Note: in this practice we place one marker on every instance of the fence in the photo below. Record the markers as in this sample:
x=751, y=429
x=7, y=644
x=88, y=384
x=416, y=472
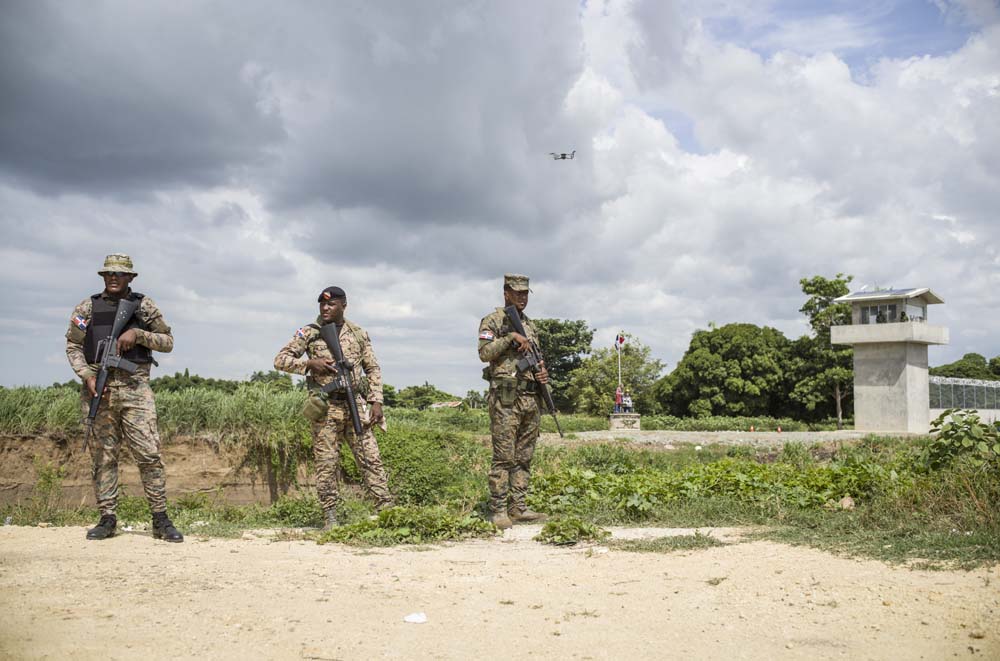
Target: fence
x=946, y=393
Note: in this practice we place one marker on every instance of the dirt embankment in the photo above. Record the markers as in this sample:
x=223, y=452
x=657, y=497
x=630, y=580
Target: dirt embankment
x=193, y=465
x=200, y=464
x=132, y=597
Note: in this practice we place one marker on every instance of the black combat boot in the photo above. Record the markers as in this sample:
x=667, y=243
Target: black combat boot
x=164, y=529
x=105, y=527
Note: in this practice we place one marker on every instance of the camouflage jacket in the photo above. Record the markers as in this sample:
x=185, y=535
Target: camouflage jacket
x=357, y=347
x=157, y=337
x=497, y=348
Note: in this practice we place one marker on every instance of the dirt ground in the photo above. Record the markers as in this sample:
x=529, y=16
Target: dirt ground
x=62, y=597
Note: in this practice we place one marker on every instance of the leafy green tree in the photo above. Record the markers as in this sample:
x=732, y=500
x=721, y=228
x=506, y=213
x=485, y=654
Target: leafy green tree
x=475, y=399
x=389, y=395
x=274, y=379
x=564, y=343
x=736, y=369
x=970, y=366
x=182, y=381
x=420, y=397
x=821, y=370
x=592, y=384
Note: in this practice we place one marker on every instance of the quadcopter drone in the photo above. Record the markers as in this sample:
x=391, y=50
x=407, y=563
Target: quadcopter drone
x=562, y=157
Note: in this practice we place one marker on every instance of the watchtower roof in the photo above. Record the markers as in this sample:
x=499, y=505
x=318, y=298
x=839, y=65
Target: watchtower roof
x=864, y=296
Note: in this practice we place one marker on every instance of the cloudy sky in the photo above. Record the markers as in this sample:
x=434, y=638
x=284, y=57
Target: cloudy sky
x=248, y=154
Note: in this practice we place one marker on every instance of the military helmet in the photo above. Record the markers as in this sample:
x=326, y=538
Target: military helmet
x=117, y=262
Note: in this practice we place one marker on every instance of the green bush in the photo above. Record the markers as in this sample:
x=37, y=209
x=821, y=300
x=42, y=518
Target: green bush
x=568, y=530
x=409, y=525
x=428, y=467
x=962, y=433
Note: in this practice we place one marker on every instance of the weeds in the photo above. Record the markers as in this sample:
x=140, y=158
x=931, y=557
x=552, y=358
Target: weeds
x=667, y=544
x=409, y=525
x=569, y=530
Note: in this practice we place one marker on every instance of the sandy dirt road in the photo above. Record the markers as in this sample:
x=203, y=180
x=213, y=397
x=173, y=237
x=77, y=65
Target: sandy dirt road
x=62, y=597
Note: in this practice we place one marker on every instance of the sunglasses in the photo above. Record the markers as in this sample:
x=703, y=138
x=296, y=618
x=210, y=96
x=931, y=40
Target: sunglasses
x=115, y=274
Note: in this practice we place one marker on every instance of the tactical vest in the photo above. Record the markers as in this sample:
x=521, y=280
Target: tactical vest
x=102, y=320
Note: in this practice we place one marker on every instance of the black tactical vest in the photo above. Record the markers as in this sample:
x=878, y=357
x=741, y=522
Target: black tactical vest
x=102, y=320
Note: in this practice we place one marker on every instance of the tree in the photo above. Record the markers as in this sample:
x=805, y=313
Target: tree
x=736, y=369
x=995, y=366
x=564, y=343
x=970, y=366
x=823, y=371
x=274, y=379
x=475, y=399
x=420, y=397
x=389, y=395
x=182, y=381
x=592, y=384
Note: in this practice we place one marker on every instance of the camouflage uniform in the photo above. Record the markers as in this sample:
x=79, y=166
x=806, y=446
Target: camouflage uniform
x=127, y=408
x=515, y=411
x=327, y=435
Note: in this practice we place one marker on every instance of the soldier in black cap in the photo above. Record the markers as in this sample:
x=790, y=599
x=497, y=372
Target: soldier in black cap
x=330, y=415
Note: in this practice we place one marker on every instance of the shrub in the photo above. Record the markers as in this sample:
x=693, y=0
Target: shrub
x=569, y=530
x=409, y=525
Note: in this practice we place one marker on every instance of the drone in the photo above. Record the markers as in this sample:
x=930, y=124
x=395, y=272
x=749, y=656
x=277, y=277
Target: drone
x=562, y=157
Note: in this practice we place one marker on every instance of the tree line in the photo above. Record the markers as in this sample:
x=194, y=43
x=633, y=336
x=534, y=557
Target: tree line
x=738, y=369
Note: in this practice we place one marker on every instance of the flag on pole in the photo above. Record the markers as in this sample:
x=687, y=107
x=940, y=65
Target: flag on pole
x=620, y=340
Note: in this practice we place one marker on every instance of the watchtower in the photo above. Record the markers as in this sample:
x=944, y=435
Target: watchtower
x=890, y=335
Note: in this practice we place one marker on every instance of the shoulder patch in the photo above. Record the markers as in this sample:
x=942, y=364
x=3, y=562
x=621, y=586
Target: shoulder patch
x=80, y=322
x=301, y=332
x=486, y=335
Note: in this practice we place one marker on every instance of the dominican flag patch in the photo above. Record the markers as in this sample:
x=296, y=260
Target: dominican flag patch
x=80, y=322
x=300, y=332
x=486, y=335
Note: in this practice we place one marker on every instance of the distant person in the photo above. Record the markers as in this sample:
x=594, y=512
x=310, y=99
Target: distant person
x=514, y=401
x=331, y=419
x=618, y=399
x=127, y=411
x=627, y=402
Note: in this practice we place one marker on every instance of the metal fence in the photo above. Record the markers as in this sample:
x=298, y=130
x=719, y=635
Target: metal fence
x=946, y=393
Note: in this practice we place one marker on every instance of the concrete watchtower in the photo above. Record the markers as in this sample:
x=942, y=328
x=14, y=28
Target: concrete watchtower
x=890, y=335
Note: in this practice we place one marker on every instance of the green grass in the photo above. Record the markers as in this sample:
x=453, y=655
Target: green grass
x=437, y=461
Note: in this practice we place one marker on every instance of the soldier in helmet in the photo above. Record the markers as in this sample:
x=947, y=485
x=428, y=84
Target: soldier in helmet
x=127, y=412
x=515, y=405
x=330, y=416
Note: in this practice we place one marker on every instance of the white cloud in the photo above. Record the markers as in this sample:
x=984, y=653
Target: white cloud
x=403, y=156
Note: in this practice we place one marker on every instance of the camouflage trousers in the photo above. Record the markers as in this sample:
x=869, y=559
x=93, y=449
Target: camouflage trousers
x=327, y=437
x=127, y=413
x=515, y=432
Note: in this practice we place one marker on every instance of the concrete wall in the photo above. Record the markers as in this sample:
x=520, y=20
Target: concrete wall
x=903, y=331
x=890, y=387
x=986, y=415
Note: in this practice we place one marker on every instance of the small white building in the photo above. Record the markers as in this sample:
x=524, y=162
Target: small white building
x=890, y=335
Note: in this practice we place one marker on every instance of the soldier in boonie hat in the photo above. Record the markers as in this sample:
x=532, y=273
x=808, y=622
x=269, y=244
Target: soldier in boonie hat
x=515, y=281
x=117, y=262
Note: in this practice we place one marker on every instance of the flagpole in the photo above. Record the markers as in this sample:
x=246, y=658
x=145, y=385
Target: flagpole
x=619, y=346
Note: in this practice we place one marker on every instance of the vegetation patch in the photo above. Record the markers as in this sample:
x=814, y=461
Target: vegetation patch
x=667, y=544
x=409, y=525
x=569, y=530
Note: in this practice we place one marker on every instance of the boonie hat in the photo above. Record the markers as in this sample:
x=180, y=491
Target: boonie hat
x=331, y=292
x=117, y=262
x=516, y=281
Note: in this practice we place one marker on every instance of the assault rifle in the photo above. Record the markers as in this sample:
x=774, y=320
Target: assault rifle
x=108, y=358
x=343, y=380
x=532, y=360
